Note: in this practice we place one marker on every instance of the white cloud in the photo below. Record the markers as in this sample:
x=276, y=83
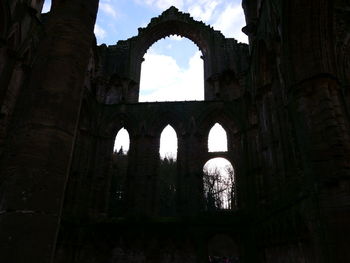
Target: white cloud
x=99, y=32
x=162, y=4
x=203, y=10
x=226, y=16
x=163, y=80
x=176, y=37
x=108, y=9
x=231, y=21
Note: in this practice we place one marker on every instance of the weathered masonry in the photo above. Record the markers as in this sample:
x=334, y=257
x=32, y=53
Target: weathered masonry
x=283, y=101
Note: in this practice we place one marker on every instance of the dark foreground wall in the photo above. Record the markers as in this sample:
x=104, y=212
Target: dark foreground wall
x=284, y=102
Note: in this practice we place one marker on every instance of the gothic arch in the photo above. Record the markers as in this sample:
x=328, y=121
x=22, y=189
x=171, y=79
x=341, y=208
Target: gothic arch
x=163, y=119
x=118, y=136
x=218, y=52
x=174, y=22
x=226, y=156
x=116, y=122
x=223, y=117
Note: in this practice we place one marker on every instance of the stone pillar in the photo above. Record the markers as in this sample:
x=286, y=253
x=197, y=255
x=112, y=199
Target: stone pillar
x=321, y=122
x=35, y=167
x=101, y=177
x=191, y=151
x=142, y=175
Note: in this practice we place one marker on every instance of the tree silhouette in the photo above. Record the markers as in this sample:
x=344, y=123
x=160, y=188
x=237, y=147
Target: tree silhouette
x=219, y=188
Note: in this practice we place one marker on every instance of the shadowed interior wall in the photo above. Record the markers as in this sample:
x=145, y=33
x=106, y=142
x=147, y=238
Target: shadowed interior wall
x=283, y=101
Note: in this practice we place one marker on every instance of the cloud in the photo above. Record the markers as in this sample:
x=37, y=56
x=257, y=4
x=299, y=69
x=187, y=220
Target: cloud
x=203, y=10
x=108, y=9
x=162, y=79
x=99, y=32
x=230, y=22
x=175, y=37
x=226, y=16
x=162, y=4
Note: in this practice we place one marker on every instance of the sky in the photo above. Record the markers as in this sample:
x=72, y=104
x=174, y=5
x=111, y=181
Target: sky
x=168, y=141
x=173, y=69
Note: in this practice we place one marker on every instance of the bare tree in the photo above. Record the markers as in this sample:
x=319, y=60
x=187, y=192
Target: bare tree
x=219, y=188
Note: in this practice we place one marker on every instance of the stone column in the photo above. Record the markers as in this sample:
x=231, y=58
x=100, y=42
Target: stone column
x=35, y=167
x=142, y=175
x=192, y=149
x=321, y=122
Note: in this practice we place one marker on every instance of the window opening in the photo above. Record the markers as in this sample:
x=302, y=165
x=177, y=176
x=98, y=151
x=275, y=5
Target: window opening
x=168, y=144
x=173, y=70
x=167, y=172
x=122, y=141
x=219, y=185
x=46, y=7
x=119, y=173
x=217, y=139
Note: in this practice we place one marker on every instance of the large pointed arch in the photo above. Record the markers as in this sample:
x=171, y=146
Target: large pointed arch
x=212, y=44
x=174, y=22
x=166, y=76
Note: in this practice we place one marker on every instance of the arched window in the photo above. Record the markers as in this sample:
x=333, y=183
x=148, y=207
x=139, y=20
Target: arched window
x=217, y=139
x=219, y=184
x=122, y=142
x=47, y=6
x=168, y=143
x=119, y=173
x=173, y=70
x=167, y=173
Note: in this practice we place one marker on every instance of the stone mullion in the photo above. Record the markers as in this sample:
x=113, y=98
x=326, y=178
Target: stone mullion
x=100, y=186
x=35, y=170
x=190, y=157
x=142, y=175
x=181, y=175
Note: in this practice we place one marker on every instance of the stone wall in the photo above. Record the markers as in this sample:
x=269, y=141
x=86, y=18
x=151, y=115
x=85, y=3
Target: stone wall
x=283, y=101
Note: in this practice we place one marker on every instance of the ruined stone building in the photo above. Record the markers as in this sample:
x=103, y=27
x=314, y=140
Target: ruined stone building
x=283, y=101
